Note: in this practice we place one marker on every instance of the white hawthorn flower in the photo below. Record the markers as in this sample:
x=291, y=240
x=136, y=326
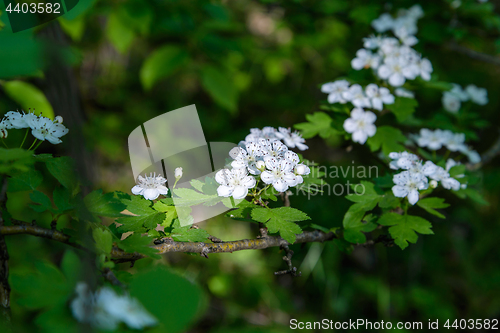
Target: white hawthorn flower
x=425, y=69
x=279, y=173
x=372, y=42
x=454, y=141
x=247, y=158
x=105, y=309
x=473, y=156
x=408, y=185
x=396, y=71
x=365, y=59
x=267, y=132
x=459, y=92
x=335, y=91
x=433, y=140
x=150, y=187
x=58, y=119
x=292, y=140
x=235, y=183
x=124, y=309
x=275, y=149
x=360, y=124
x=379, y=96
x=442, y=176
x=451, y=102
x=383, y=23
x=402, y=160
x=45, y=129
x=357, y=96
x=19, y=120
x=401, y=92
x=477, y=95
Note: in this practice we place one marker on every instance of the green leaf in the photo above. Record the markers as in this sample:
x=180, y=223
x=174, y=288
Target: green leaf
x=104, y=204
x=388, y=138
x=119, y=33
x=42, y=200
x=15, y=160
x=63, y=169
x=137, y=243
x=430, y=203
x=175, y=317
x=103, y=240
x=281, y=220
x=389, y=201
x=188, y=234
x=404, y=228
x=318, y=123
x=71, y=267
x=61, y=197
x=220, y=87
x=46, y=287
x=189, y=197
x=29, y=96
x=147, y=217
x=25, y=181
x=403, y=107
x=457, y=170
x=162, y=63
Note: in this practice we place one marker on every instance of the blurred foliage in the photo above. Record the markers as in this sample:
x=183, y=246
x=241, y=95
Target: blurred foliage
x=247, y=64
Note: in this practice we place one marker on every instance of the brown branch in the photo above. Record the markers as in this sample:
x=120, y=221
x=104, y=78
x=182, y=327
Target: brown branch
x=34, y=230
x=474, y=54
x=119, y=255
x=487, y=156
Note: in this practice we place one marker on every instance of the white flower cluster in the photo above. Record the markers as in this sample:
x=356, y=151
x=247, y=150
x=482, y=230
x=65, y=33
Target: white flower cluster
x=264, y=156
x=42, y=128
x=105, y=309
x=361, y=122
x=391, y=58
x=150, y=187
x=452, y=100
x=372, y=96
x=435, y=140
x=416, y=175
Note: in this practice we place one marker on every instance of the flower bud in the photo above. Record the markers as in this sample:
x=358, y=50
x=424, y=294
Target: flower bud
x=3, y=133
x=302, y=169
x=59, y=119
x=433, y=183
x=178, y=173
x=261, y=165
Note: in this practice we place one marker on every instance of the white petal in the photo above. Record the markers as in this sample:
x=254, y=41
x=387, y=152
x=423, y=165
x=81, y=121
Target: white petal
x=38, y=134
x=413, y=197
x=224, y=191
x=359, y=136
x=248, y=181
x=151, y=194
x=280, y=185
x=137, y=190
x=396, y=80
x=267, y=177
x=162, y=189
x=240, y=192
x=399, y=191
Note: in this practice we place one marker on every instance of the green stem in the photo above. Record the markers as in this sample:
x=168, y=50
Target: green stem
x=4, y=144
x=25, y=136
x=434, y=155
x=33, y=144
x=446, y=155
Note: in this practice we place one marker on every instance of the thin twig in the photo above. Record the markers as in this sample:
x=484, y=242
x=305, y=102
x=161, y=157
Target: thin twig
x=111, y=277
x=474, y=54
x=487, y=156
x=288, y=259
